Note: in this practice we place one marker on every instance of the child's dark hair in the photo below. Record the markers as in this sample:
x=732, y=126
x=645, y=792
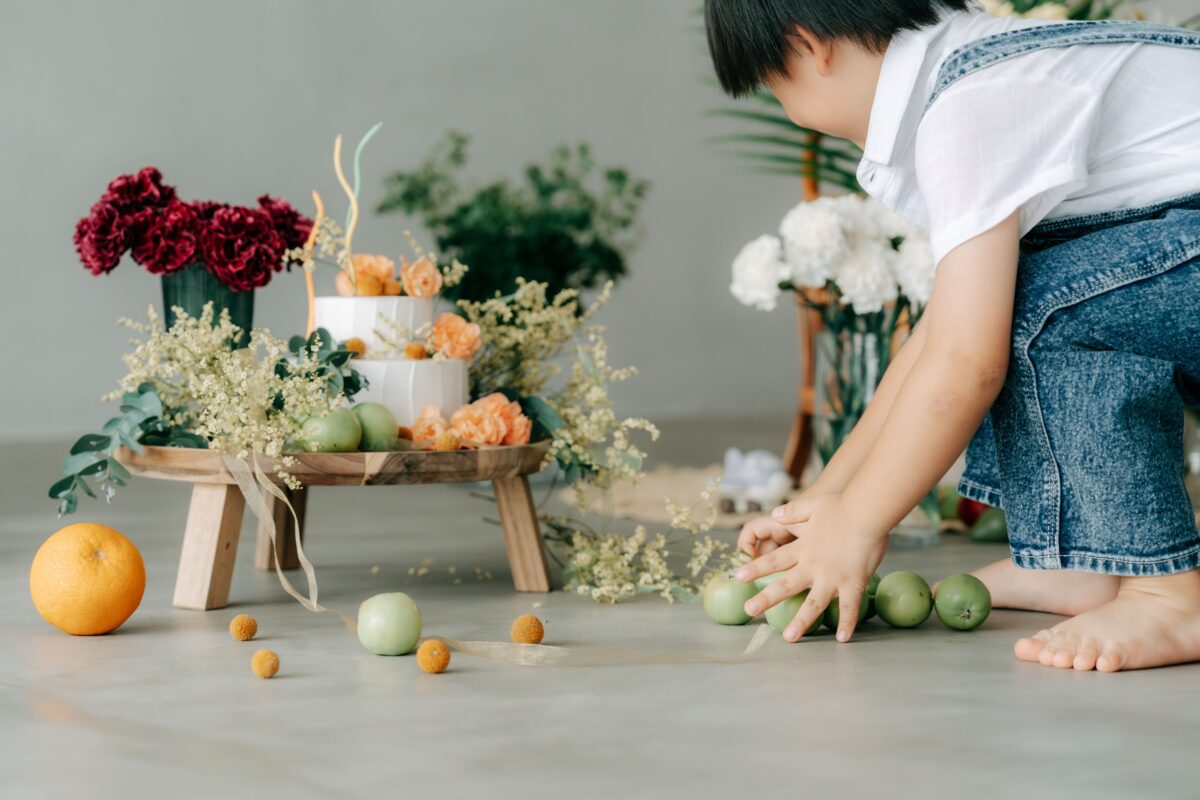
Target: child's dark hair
x=750, y=39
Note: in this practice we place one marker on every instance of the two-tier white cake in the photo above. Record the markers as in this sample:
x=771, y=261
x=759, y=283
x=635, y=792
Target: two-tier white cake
x=402, y=384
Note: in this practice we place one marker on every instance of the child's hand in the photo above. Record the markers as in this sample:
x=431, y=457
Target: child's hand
x=761, y=536
x=833, y=554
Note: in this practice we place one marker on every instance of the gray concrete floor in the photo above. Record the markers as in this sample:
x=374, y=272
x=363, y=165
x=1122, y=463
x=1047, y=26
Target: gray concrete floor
x=167, y=706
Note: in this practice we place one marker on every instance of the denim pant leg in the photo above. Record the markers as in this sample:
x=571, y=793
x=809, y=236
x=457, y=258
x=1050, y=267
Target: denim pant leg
x=1108, y=374
x=981, y=481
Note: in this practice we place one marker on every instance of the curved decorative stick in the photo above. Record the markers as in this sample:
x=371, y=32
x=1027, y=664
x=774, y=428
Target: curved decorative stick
x=308, y=277
x=358, y=158
x=353, y=223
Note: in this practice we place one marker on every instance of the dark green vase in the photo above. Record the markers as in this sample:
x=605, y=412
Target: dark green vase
x=191, y=287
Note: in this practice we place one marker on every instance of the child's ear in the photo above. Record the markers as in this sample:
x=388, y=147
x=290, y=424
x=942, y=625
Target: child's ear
x=819, y=51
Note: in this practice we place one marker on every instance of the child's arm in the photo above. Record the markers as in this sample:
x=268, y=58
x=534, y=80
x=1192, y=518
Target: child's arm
x=948, y=390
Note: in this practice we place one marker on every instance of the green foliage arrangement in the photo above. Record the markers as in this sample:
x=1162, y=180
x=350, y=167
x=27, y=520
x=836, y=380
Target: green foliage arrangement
x=218, y=397
x=554, y=228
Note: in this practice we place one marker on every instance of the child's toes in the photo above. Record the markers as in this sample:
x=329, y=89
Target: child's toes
x=1046, y=656
x=1085, y=659
x=1110, y=660
x=1028, y=649
x=1064, y=658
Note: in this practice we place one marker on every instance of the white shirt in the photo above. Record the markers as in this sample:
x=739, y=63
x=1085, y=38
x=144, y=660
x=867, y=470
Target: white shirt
x=1056, y=132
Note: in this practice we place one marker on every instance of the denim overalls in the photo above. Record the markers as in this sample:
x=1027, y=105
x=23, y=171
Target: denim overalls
x=1084, y=445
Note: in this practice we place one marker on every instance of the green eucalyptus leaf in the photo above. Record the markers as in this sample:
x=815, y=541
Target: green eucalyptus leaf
x=93, y=469
x=83, y=486
x=63, y=487
x=117, y=471
x=77, y=462
x=90, y=442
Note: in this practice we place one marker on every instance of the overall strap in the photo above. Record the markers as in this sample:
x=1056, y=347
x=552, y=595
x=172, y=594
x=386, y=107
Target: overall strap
x=990, y=50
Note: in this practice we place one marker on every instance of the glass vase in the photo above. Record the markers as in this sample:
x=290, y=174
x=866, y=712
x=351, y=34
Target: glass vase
x=192, y=287
x=852, y=352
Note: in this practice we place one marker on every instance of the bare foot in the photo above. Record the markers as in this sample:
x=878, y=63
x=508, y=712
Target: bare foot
x=1153, y=622
x=1053, y=591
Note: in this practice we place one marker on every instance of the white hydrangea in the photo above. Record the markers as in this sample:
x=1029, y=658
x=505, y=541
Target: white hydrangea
x=814, y=240
x=915, y=267
x=866, y=276
x=757, y=272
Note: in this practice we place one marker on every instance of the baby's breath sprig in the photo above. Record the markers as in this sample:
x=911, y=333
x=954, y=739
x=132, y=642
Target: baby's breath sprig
x=611, y=567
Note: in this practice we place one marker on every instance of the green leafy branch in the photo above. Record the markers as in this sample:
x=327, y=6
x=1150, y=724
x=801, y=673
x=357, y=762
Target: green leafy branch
x=93, y=456
x=332, y=361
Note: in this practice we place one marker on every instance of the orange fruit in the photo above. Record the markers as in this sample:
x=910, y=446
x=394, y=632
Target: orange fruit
x=415, y=350
x=392, y=287
x=87, y=579
x=369, y=285
x=356, y=346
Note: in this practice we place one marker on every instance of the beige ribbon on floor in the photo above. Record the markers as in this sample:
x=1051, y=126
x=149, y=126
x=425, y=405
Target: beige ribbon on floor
x=542, y=655
x=253, y=482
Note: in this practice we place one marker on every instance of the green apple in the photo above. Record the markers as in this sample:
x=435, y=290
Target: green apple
x=903, y=600
x=781, y=615
x=948, y=502
x=990, y=527
x=767, y=580
x=389, y=624
x=378, y=427
x=962, y=602
x=725, y=599
x=872, y=588
x=336, y=432
x=833, y=613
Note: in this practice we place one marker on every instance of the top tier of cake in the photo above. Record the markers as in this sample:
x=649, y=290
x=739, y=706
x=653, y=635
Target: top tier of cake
x=358, y=317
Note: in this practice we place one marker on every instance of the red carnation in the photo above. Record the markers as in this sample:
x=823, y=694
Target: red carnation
x=242, y=248
x=170, y=241
x=206, y=208
x=134, y=194
x=101, y=238
x=293, y=226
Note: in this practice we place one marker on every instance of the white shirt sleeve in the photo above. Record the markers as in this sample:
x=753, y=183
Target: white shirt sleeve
x=992, y=144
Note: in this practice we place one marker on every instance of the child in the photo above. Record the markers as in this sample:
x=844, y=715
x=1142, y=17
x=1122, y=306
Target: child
x=1056, y=166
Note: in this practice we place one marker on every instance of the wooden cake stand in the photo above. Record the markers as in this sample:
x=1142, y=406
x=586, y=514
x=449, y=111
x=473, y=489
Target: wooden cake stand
x=214, y=519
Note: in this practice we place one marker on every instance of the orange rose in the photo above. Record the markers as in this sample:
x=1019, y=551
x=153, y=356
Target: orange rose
x=519, y=431
x=476, y=424
x=421, y=278
x=381, y=267
x=454, y=337
x=430, y=425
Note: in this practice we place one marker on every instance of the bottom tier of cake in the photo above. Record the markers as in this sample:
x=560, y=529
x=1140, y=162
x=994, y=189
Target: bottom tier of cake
x=407, y=386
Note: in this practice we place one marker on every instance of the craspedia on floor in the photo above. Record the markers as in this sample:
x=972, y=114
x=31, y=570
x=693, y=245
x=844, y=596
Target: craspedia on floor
x=264, y=663
x=433, y=656
x=527, y=629
x=243, y=627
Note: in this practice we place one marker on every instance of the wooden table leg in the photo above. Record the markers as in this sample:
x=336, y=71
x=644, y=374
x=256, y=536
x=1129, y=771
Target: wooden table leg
x=285, y=532
x=522, y=537
x=209, y=546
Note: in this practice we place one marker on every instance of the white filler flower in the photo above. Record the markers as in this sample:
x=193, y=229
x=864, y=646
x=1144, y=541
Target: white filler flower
x=757, y=272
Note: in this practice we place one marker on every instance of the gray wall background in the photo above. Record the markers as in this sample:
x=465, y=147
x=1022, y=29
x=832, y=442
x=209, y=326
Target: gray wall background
x=233, y=99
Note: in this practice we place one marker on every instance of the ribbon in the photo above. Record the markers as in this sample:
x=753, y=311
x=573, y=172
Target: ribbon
x=541, y=655
x=253, y=484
